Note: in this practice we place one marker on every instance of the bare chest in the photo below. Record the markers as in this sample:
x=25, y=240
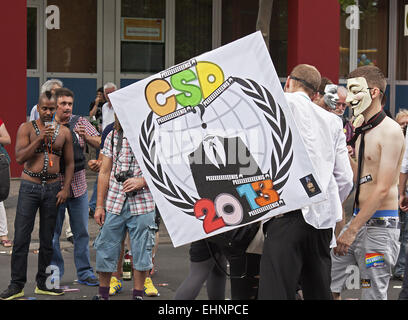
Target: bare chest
x=371, y=154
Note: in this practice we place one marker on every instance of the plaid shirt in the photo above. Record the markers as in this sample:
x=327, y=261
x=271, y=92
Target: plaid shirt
x=78, y=183
x=142, y=202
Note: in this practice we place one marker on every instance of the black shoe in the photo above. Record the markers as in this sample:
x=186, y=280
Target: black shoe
x=11, y=292
x=50, y=292
x=71, y=239
x=398, y=278
x=91, y=213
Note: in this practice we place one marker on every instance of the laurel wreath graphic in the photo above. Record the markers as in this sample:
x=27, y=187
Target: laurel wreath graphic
x=281, y=158
x=282, y=154
x=174, y=194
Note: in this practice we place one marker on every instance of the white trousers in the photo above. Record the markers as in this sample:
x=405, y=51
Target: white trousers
x=3, y=220
x=374, y=252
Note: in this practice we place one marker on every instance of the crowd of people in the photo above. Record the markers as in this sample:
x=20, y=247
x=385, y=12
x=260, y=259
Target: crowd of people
x=304, y=254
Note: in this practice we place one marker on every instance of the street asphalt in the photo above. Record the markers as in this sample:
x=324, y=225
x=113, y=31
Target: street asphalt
x=172, y=264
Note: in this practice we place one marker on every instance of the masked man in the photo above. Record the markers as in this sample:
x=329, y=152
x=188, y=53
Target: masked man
x=370, y=239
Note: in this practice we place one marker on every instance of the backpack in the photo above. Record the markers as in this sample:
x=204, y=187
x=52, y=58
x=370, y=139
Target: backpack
x=4, y=174
x=233, y=244
x=79, y=157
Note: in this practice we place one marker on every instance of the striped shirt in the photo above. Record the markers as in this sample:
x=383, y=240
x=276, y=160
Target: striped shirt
x=78, y=183
x=142, y=202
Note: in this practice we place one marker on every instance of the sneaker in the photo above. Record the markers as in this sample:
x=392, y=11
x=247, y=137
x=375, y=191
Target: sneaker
x=115, y=286
x=71, y=239
x=90, y=281
x=11, y=293
x=149, y=288
x=50, y=292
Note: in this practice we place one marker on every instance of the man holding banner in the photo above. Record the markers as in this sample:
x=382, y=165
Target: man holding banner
x=129, y=207
x=297, y=243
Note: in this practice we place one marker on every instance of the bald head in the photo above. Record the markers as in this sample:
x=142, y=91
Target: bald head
x=342, y=92
x=306, y=78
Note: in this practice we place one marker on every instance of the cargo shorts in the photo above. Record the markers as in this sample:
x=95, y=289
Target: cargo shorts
x=142, y=229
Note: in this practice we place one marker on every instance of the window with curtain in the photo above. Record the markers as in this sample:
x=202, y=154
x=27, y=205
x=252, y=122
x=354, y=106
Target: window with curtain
x=402, y=41
x=239, y=18
x=72, y=48
x=193, y=28
x=142, y=36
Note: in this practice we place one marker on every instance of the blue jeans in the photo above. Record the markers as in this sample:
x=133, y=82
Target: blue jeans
x=92, y=202
x=31, y=197
x=400, y=265
x=78, y=218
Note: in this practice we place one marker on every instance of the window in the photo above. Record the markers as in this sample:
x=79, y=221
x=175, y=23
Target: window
x=32, y=38
x=278, y=36
x=142, y=36
x=193, y=28
x=372, y=36
x=402, y=41
x=344, y=42
x=239, y=18
x=72, y=48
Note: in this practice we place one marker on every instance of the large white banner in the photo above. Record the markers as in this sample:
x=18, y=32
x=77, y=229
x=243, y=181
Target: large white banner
x=216, y=142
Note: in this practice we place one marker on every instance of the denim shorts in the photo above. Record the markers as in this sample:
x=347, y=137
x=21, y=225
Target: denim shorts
x=142, y=230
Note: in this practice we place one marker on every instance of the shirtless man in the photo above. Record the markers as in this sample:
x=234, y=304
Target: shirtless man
x=370, y=239
x=39, y=147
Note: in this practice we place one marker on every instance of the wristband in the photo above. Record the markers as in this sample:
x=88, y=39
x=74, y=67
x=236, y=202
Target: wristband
x=100, y=208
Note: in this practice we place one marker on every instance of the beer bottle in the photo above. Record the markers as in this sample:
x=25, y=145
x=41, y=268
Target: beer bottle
x=127, y=267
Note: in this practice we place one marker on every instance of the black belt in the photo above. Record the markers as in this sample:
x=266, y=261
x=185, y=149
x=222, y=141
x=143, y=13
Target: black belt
x=281, y=216
x=384, y=223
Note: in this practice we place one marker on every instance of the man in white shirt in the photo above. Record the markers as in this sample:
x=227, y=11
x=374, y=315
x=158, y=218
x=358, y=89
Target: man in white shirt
x=297, y=243
x=403, y=204
x=108, y=114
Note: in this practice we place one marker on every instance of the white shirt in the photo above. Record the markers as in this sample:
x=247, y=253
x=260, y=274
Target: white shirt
x=34, y=115
x=108, y=115
x=404, y=164
x=323, y=136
